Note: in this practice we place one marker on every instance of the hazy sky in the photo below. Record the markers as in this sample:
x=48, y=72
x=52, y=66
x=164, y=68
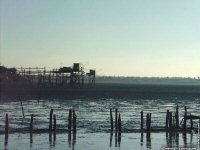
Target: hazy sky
x=117, y=37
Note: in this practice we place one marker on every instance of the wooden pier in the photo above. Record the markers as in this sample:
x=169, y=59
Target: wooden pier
x=74, y=76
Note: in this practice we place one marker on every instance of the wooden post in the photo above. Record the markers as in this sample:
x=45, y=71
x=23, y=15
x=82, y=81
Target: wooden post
x=54, y=125
x=191, y=122
x=150, y=122
x=170, y=120
x=74, y=122
x=22, y=107
x=177, y=116
x=111, y=120
x=184, y=124
x=31, y=124
x=50, y=120
x=70, y=120
x=119, y=124
x=142, y=121
x=116, y=119
x=6, y=127
x=147, y=122
x=167, y=120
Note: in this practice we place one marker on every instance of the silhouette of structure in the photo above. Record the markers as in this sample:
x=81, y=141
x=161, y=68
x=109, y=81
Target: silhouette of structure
x=73, y=76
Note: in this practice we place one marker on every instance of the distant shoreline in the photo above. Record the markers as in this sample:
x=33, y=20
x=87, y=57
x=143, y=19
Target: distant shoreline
x=11, y=92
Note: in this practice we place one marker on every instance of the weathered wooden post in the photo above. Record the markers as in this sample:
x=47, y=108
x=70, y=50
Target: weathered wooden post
x=54, y=125
x=31, y=124
x=119, y=124
x=50, y=120
x=148, y=122
x=191, y=122
x=185, y=120
x=111, y=120
x=142, y=121
x=177, y=116
x=74, y=122
x=70, y=120
x=170, y=120
x=6, y=127
x=116, y=120
x=22, y=107
x=167, y=120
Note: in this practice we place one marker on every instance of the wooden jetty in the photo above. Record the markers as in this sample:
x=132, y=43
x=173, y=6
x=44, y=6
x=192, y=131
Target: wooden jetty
x=74, y=76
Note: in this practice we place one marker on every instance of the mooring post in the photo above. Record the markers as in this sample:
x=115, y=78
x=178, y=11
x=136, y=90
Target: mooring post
x=177, y=116
x=191, y=122
x=70, y=120
x=31, y=124
x=147, y=122
x=142, y=121
x=116, y=120
x=185, y=120
x=74, y=122
x=167, y=120
x=50, y=120
x=150, y=122
x=6, y=127
x=54, y=125
x=111, y=120
x=170, y=120
x=22, y=107
x=119, y=124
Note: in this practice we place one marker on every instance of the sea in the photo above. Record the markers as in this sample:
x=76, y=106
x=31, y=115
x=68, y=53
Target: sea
x=93, y=121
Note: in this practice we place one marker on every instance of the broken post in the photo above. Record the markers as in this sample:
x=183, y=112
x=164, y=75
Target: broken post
x=111, y=120
x=70, y=120
x=50, y=120
x=6, y=127
x=148, y=122
x=116, y=120
x=119, y=124
x=170, y=120
x=31, y=124
x=54, y=125
x=191, y=122
x=177, y=116
x=74, y=122
x=184, y=124
x=22, y=107
x=167, y=120
x=142, y=121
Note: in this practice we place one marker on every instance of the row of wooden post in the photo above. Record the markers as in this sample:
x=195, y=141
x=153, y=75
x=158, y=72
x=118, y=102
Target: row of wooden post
x=172, y=121
x=52, y=127
x=118, y=124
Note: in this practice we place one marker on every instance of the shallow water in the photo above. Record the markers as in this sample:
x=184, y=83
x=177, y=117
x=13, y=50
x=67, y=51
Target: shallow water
x=93, y=114
x=93, y=123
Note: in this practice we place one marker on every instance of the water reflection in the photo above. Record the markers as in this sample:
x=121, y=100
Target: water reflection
x=6, y=141
x=148, y=140
x=184, y=139
x=142, y=139
x=118, y=138
x=111, y=136
x=52, y=143
x=71, y=142
x=31, y=139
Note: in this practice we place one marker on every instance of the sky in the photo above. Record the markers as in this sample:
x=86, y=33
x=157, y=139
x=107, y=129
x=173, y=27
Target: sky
x=153, y=38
